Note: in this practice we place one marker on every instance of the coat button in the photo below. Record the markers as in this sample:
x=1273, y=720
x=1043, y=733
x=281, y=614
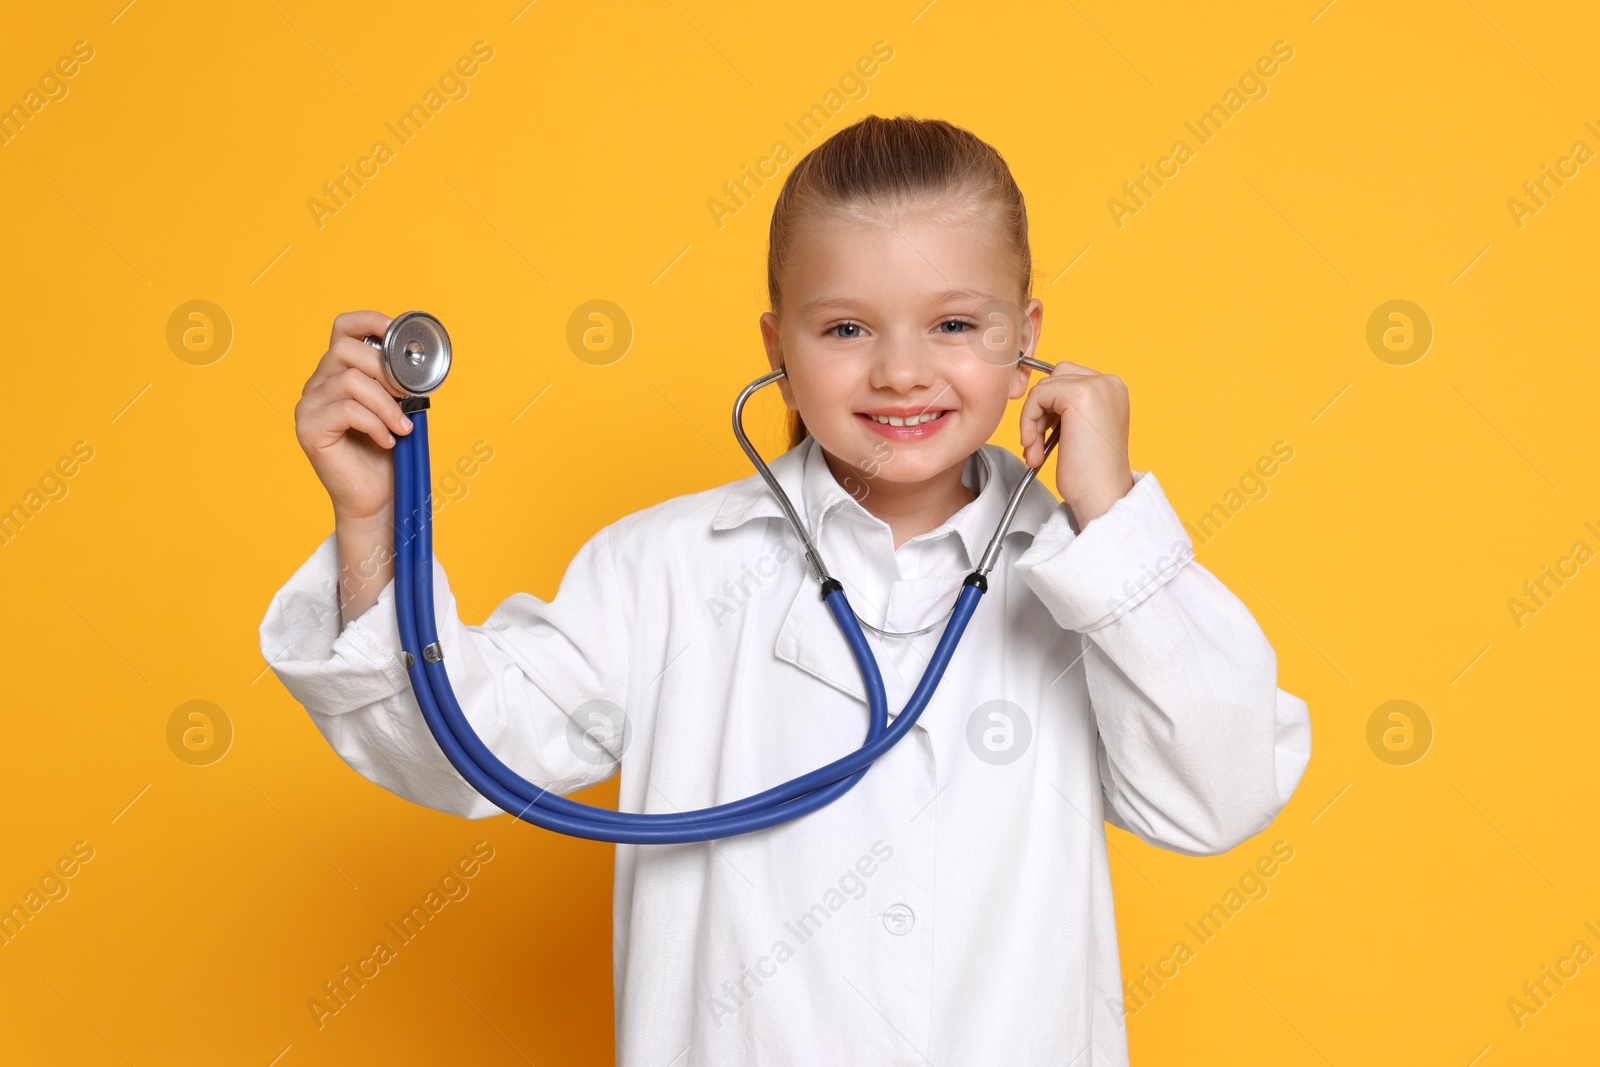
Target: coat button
x=898, y=919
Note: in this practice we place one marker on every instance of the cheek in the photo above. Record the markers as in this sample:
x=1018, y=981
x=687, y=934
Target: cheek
x=822, y=381
x=985, y=392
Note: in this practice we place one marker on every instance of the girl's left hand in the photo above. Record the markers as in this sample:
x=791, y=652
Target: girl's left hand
x=1092, y=468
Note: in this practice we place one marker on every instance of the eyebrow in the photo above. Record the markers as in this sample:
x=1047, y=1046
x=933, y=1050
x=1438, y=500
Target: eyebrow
x=846, y=303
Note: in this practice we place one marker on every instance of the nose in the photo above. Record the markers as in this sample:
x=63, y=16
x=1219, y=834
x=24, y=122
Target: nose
x=900, y=365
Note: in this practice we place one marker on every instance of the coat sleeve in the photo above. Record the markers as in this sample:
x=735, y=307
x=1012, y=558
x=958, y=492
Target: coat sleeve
x=1198, y=747
x=544, y=684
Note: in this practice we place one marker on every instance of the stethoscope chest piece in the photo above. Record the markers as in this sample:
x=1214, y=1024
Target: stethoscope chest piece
x=416, y=352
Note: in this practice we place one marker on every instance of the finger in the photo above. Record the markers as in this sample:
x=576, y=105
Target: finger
x=347, y=414
x=357, y=385
x=346, y=353
x=1035, y=409
x=1035, y=433
x=1035, y=420
x=1025, y=429
x=359, y=324
x=1051, y=422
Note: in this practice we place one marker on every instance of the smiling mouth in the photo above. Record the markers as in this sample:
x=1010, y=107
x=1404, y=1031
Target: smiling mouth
x=909, y=420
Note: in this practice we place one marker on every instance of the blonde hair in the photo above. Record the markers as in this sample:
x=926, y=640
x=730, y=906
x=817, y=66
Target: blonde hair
x=895, y=161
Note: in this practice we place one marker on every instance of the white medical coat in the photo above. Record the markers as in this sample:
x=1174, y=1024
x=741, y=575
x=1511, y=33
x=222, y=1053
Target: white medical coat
x=955, y=906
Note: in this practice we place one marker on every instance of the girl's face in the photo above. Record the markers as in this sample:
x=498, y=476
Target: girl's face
x=902, y=314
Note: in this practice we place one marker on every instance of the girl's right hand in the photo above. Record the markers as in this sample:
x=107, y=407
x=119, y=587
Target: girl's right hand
x=347, y=418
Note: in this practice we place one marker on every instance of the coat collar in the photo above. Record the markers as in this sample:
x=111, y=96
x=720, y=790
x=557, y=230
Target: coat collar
x=802, y=469
x=809, y=637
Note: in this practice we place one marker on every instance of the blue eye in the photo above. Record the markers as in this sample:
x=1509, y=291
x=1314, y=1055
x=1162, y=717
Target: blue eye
x=962, y=326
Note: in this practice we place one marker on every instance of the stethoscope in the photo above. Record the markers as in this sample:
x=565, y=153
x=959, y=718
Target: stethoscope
x=416, y=358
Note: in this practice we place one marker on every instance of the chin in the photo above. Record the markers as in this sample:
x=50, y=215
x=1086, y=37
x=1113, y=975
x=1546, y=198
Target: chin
x=910, y=464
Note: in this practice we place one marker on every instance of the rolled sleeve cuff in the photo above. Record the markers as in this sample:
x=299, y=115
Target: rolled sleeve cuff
x=1092, y=578
x=328, y=670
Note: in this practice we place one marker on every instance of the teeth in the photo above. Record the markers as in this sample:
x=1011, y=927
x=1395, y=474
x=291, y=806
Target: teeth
x=915, y=420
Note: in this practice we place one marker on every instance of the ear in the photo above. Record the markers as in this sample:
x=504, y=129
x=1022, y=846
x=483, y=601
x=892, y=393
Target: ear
x=771, y=338
x=1033, y=324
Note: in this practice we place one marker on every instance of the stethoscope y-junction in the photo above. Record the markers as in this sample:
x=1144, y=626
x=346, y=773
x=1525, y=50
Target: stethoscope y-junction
x=416, y=357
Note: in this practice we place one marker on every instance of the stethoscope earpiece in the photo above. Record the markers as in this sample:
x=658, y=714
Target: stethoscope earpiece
x=1036, y=364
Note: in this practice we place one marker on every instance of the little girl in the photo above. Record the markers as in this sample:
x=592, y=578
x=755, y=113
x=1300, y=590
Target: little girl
x=955, y=906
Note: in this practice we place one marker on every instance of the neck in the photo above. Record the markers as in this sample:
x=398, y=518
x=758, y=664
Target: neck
x=908, y=508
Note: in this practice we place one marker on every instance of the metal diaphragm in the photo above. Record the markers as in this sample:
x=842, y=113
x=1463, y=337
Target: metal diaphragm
x=416, y=352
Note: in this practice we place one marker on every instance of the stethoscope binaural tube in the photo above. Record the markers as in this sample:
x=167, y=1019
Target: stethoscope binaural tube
x=506, y=789
x=814, y=557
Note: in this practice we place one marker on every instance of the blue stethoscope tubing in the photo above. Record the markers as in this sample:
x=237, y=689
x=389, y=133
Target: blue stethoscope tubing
x=506, y=789
x=486, y=773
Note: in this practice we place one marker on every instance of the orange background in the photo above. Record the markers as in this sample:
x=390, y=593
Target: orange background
x=578, y=166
